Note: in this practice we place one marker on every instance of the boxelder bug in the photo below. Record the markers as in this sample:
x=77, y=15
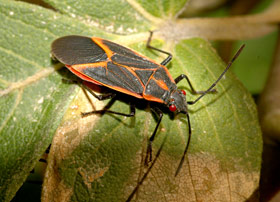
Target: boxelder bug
x=105, y=63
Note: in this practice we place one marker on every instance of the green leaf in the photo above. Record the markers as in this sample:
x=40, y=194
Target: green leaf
x=101, y=157
x=110, y=15
x=163, y=9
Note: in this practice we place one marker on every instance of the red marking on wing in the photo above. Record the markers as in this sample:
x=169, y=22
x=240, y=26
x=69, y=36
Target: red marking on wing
x=75, y=69
x=161, y=84
x=152, y=98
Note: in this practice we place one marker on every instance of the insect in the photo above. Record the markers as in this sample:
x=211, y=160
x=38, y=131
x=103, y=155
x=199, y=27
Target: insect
x=105, y=63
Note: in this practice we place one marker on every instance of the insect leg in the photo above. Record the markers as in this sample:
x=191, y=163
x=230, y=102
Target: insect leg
x=166, y=60
x=151, y=139
x=84, y=85
x=106, y=110
x=220, y=77
x=183, y=76
x=99, y=97
x=146, y=173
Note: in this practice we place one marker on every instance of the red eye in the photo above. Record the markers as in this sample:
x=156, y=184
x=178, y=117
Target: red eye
x=184, y=92
x=172, y=108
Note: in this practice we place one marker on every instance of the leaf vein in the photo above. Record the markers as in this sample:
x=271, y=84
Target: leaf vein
x=21, y=84
x=19, y=57
x=9, y=115
x=143, y=12
x=30, y=25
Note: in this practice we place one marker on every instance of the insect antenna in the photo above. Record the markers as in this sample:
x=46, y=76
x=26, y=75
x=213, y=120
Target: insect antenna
x=193, y=102
x=187, y=146
x=220, y=77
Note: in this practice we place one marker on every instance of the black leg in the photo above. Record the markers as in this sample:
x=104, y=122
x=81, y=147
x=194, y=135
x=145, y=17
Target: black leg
x=130, y=197
x=169, y=57
x=99, y=97
x=183, y=76
x=83, y=85
x=111, y=96
x=220, y=77
x=151, y=139
x=106, y=110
